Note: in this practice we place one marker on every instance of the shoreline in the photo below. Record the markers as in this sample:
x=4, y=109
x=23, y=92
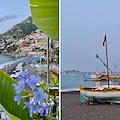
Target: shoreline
x=2, y=65
x=73, y=109
x=70, y=90
x=14, y=70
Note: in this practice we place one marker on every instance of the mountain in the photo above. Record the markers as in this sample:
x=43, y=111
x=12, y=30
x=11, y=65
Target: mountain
x=18, y=31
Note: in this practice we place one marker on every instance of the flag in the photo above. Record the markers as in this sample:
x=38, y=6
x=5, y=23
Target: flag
x=104, y=40
x=115, y=65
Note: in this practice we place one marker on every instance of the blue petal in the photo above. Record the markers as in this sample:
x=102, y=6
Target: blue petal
x=27, y=104
x=31, y=112
x=32, y=77
x=21, y=78
x=36, y=100
x=17, y=98
x=18, y=91
x=41, y=101
x=31, y=85
x=35, y=108
x=37, y=79
x=21, y=83
x=35, y=93
x=40, y=90
x=45, y=96
x=18, y=102
x=14, y=85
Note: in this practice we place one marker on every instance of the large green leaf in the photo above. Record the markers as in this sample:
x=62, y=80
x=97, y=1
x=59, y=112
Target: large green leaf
x=7, y=94
x=12, y=117
x=45, y=14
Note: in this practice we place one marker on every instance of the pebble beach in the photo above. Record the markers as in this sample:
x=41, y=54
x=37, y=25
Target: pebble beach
x=73, y=109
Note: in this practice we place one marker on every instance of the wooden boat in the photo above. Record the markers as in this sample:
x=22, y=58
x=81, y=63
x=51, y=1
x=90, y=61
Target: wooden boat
x=102, y=94
x=106, y=93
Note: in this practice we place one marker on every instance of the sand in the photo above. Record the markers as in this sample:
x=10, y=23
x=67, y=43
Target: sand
x=73, y=109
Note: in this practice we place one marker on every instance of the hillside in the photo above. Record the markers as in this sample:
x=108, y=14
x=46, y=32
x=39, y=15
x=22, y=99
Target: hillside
x=18, y=31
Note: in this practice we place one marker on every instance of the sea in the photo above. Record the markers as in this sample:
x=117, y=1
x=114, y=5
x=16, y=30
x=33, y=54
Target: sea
x=5, y=60
x=71, y=82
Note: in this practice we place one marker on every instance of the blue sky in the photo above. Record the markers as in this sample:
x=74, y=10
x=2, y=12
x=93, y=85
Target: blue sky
x=13, y=12
x=84, y=24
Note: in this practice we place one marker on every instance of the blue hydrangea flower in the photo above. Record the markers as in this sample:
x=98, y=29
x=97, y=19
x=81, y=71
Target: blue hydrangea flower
x=33, y=80
x=43, y=109
x=18, y=98
x=19, y=87
x=27, y=104
x=34, y=108
x=39, y=96
x=24, y=76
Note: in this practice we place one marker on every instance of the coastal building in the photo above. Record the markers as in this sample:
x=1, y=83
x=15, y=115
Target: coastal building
x=78, y=72
x=71, y=72
x=36, y=53
x=31, y=44
x=2, y=46
x=42, y=42
x=26, y=49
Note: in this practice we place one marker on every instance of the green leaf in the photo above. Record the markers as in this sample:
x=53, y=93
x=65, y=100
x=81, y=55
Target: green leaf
x=55, y=81
x=44, y=87
x=50, y=117
x=45, y=14
x=7, y=94
x=12, y=117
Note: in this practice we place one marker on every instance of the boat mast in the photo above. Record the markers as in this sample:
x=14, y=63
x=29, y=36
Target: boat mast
x=107, y=63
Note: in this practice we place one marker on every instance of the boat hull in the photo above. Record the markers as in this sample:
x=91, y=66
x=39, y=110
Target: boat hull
x=112, y=95
x=101, y=94
x=92, y=79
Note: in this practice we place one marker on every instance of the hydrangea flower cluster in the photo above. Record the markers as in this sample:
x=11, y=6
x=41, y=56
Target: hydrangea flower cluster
x=36, y=94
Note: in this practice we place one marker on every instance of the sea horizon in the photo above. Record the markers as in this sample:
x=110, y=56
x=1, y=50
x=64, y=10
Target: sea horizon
x=71, y=82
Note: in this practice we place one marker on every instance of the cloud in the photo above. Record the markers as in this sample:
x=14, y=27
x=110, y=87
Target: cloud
x=8, y=17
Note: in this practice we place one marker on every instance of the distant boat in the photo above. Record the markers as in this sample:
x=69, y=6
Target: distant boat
x=102, y=77
x=92, y=79
x=96, y=77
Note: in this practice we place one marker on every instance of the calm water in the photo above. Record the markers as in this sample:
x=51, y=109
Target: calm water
x=72, y=82
x=5, y=60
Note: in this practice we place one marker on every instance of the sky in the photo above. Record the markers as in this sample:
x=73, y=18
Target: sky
x=13, y=12
x=84, y=24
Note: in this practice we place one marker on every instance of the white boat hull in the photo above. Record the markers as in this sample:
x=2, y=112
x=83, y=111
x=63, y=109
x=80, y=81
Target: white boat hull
x=103, y=94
